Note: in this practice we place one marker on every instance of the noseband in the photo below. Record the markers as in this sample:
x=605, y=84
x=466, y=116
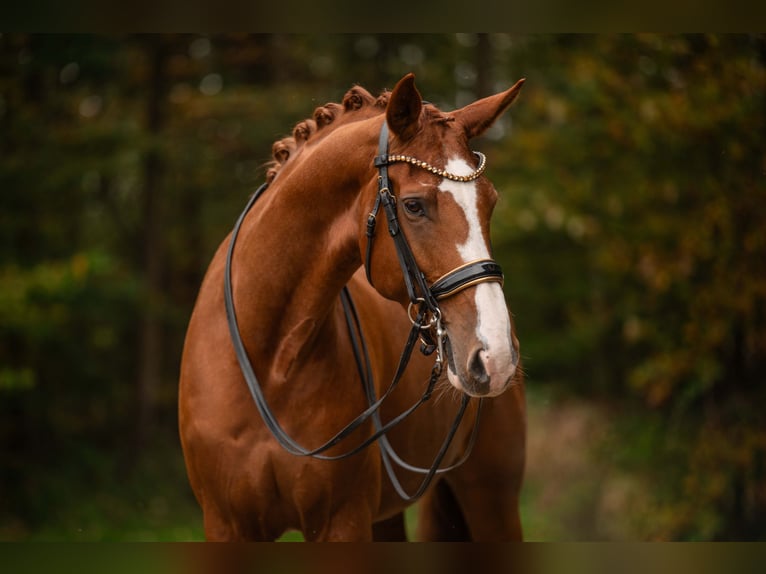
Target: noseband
x=426, y=323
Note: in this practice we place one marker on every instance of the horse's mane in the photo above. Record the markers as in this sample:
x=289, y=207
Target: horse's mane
x=357, y=104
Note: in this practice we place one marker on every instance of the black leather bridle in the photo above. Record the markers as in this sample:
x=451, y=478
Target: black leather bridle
x=426, y=326
x=420, y=294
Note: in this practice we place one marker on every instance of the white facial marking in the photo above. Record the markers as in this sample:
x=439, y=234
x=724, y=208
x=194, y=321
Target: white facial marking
x=465, y=196
x=493, y=325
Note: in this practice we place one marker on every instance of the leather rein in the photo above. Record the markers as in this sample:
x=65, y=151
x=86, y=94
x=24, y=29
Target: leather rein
x=426, y=326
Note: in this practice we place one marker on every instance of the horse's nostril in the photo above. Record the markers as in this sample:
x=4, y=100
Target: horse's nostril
x=478, y=369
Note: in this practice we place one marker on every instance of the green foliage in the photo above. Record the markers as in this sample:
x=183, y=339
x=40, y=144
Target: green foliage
x=644, y=155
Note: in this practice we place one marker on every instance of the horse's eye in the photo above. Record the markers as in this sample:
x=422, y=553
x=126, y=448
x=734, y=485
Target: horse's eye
x=414, y=207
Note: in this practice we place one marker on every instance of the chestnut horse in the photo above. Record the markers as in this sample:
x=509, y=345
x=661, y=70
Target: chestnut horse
x=317, y=302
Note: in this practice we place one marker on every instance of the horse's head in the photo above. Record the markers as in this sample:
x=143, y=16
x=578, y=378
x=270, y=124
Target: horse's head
x=444, y=208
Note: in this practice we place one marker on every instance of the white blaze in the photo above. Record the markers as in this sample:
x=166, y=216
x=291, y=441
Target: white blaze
x=493, y=326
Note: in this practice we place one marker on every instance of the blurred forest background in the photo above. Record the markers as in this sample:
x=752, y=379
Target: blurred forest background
x=631, y=228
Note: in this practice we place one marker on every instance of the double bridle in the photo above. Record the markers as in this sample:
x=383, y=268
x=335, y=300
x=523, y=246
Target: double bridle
x=425, y=316
x=426, y=298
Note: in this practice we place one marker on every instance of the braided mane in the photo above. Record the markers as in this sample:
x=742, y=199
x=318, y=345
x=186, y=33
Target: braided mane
x=357, y=104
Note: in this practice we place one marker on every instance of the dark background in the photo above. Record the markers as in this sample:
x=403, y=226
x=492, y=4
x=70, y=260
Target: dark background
x=631, y=229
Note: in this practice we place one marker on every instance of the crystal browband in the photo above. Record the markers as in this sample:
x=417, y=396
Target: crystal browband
x=440, y=172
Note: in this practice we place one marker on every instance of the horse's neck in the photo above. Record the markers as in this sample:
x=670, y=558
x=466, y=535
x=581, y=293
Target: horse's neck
x=296, y=250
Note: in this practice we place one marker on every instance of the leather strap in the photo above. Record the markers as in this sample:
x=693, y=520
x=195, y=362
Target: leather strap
x=466, y=276
x=387, y=452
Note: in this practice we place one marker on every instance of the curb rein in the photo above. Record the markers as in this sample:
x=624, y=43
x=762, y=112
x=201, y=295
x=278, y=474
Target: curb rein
x=427, y=307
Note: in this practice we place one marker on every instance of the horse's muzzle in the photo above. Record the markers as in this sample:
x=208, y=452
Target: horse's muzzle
x=482, y=375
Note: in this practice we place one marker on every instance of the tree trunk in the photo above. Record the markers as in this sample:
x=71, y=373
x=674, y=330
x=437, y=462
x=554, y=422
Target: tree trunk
x=150, y=344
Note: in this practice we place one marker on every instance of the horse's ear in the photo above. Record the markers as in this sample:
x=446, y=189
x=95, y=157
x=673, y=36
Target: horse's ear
x=477, y=117
x=403, y=110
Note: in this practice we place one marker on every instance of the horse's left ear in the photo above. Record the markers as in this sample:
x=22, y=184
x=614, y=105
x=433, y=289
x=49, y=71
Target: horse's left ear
x=477, y=117
x=403, y=110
